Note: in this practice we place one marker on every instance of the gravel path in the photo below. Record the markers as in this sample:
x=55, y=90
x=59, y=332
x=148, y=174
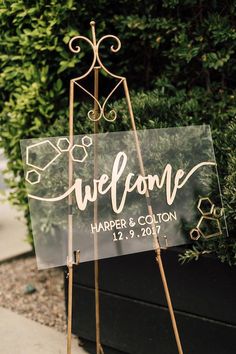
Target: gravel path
x=38, y=295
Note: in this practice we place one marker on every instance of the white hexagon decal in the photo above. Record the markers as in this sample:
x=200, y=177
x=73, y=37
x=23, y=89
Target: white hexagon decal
x=195, y=234
x=41, y=155
x=205, y=206
x=63, y=144
x=78, y=153
x=209, y=227
x=32, y=177
x=87, y=141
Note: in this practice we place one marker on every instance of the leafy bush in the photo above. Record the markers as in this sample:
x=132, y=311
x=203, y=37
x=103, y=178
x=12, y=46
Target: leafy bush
x=178, y=56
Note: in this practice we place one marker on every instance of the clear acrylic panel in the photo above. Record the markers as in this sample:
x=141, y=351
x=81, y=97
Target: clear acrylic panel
x=97, y=182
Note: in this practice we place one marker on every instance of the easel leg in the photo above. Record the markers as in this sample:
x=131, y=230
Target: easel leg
x=99, y=349
x=70, y=297
x=70, y=222
x=156, y=242
x=168, y=299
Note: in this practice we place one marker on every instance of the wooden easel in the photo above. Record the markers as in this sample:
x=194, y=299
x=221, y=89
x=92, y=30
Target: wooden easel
x=95, y=115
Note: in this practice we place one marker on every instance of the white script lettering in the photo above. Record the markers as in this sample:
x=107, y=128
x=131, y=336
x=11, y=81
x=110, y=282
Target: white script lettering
x=141, y=184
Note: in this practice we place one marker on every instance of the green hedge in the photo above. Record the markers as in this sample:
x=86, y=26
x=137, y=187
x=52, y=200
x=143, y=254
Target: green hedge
x=178, y=56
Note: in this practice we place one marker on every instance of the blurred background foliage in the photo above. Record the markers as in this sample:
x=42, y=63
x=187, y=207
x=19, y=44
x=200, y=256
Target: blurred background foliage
x=179, y=59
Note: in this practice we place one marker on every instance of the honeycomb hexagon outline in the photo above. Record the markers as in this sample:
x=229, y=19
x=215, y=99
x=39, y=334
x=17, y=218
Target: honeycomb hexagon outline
x=87, y=138
x=78, y=160
x=195, y=238
x=37, y=144
x=218, y=212
x=69, y=144
x=210, y=202
x=27, y=177
x=219, y=233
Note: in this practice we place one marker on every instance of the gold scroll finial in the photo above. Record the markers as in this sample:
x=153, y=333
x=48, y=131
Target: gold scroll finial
x=95, y=46
x=92, y=24
x=97, y=62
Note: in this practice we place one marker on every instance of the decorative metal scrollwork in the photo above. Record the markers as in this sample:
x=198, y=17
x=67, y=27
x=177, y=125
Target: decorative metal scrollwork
x=95, y=46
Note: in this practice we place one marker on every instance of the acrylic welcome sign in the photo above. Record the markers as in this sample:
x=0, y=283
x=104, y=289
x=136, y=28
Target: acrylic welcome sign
x=107, y=192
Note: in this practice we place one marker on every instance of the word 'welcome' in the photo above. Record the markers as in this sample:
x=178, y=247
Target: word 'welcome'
x=141, y=184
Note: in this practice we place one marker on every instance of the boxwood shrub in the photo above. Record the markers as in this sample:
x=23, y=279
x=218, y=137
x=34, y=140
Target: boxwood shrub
x=178, y=56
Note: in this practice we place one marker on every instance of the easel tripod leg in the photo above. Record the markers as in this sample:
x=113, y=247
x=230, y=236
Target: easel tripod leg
x=99, y=349
x=168, y=299
x=69, y=316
